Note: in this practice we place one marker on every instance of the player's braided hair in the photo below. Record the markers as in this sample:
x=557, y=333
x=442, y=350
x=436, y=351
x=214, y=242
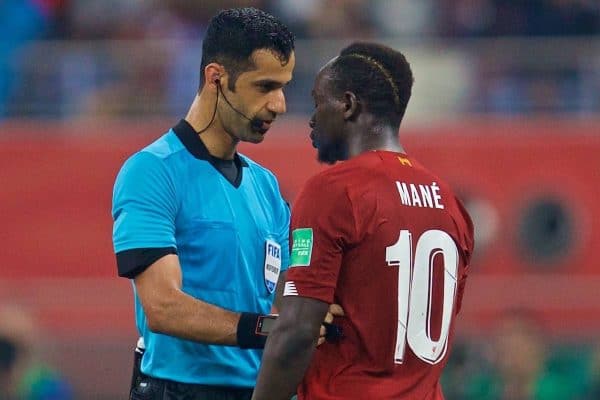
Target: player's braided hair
x=232, y=35
x=379, y=76
x=384, y=71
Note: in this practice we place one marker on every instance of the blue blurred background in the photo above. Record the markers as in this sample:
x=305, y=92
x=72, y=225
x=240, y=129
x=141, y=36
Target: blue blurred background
x=506, y=107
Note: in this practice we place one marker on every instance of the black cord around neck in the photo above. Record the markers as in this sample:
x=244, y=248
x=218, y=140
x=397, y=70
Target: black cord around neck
x=214, y=113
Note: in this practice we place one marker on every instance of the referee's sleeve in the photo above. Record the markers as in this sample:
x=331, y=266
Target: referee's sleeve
x=143, y=211
x=132, y=262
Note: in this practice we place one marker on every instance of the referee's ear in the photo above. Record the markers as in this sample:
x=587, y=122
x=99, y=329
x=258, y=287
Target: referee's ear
x=213, y=76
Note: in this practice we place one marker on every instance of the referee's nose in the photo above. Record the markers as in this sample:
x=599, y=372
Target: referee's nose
x=276, y=103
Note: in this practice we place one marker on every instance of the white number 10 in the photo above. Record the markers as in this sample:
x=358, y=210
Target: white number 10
x=415, y=292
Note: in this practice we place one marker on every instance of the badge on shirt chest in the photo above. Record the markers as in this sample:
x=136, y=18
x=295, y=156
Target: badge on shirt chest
x=272, y=264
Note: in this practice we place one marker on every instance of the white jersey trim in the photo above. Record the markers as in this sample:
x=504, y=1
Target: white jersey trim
x=290, y=289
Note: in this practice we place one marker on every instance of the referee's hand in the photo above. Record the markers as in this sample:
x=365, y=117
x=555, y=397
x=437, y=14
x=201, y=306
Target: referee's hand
x=335, y=310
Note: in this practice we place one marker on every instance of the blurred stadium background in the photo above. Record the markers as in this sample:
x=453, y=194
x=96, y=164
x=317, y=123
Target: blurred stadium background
x=506, y=107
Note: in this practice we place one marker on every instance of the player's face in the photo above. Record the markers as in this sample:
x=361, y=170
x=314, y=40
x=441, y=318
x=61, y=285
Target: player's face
x=258, y=95
x=327, y=122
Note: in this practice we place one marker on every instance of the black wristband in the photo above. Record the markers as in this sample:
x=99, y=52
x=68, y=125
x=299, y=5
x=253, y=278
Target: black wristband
x=333, y=333
x=248, y=334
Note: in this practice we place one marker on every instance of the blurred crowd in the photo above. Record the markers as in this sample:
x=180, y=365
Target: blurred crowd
x=25, y=374
x=134, y=57
x=518, y=361
x=137, y=19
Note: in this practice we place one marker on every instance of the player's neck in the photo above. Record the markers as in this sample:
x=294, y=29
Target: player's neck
x=376, y=138
x=218, y=142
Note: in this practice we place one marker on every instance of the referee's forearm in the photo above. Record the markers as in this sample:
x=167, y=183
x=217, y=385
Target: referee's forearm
x=183, y=316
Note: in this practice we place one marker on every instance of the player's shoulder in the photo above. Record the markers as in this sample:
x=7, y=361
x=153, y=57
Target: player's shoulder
x=455, y=207
x=334, y=178
x=362, y=163
x=363, y=169
x=419, y=173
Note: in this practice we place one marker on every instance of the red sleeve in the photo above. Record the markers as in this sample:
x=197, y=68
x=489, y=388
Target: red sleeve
x=467, y=244
x=322, y=226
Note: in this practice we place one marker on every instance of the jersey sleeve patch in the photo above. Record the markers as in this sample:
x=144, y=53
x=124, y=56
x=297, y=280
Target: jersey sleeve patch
x=302, y=245
x=290, y=289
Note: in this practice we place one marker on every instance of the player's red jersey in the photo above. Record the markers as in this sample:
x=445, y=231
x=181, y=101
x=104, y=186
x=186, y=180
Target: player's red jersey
x=388, y=241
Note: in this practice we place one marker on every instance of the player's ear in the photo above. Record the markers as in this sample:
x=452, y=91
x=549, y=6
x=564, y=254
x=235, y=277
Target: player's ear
x=351, y=106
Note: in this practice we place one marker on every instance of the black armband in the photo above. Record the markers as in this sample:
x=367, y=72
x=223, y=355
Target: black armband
x=252, y=330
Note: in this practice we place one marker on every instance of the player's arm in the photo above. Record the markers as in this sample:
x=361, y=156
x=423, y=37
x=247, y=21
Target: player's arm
x=334, y=310
x=279, y=293
x=290, y=348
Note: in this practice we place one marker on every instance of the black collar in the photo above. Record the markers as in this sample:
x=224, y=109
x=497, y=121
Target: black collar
x=192, y=142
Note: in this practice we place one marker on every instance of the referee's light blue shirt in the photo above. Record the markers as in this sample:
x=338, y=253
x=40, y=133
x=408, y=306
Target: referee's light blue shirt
x=170, y=196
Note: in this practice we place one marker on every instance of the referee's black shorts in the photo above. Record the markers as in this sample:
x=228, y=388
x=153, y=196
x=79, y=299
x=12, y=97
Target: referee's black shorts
x=148, y=388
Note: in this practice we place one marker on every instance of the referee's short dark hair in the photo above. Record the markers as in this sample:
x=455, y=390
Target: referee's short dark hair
x=234, y=34
x=378, y=75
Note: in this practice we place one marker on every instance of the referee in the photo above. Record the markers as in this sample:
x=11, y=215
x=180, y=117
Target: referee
x=203, y=230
